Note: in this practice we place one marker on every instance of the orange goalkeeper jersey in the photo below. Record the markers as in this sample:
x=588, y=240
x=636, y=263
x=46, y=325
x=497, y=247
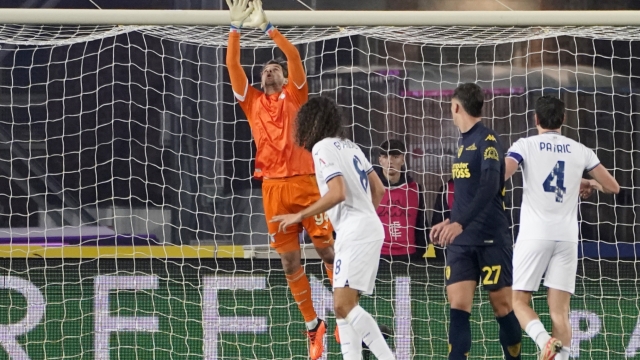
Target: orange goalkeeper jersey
x=272, y=117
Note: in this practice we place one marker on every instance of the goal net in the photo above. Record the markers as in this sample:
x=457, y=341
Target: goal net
x=131, y=226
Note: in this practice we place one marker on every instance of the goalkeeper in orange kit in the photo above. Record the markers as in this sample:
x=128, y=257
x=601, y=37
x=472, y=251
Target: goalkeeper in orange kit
x=286, y=169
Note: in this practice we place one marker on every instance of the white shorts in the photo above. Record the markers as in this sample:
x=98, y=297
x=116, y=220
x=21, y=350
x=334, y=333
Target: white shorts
x=556, y=260
x=356, y=265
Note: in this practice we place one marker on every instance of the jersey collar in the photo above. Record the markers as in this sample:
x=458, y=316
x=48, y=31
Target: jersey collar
x=473, y=130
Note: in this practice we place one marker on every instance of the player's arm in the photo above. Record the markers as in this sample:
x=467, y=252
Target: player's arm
x=335, y=195
x=602, y=179
x=238, y=12
x=297, y=76
x=377, y=188
x=511, y=166
x=325, y=160
x=604, y=182
x=488, y=187
x=513, y=159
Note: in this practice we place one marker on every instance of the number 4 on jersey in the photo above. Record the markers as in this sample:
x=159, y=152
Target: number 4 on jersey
x=558, y=174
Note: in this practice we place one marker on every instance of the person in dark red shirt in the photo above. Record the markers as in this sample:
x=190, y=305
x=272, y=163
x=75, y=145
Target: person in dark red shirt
x=402, y=210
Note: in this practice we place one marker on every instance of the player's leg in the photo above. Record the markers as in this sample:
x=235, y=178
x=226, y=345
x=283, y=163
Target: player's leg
x=558, y=301
x=318, y=227
x=561, y=280
x=461, y=278
x=345, y=299
x=356, y=266
x=530, y=261
x=497, y=278
x=275, y=194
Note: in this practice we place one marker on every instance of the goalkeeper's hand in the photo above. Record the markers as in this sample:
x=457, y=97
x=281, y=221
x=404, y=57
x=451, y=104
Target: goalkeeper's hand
x=239, y=11
x=258, y=19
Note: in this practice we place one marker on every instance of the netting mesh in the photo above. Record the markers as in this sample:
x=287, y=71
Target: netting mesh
x=129, y=137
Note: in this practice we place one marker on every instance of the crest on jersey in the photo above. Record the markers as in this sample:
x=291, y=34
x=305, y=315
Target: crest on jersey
x=471, y=147
x=490, y=138
x=460, y=150
x=514, y=350
x=491, y=153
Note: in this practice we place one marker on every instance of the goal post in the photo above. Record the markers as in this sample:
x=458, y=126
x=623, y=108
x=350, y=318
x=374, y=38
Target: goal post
x=322, y=17
x=130, y=225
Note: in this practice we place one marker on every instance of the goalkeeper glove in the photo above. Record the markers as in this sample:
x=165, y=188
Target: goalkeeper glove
x=258, y=18
x=239, y=11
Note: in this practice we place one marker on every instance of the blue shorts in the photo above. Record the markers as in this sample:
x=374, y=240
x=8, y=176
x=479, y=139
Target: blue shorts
x=491, y=265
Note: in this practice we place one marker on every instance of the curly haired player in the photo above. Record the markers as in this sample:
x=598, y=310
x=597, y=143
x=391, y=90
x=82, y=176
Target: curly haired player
x=351, y=192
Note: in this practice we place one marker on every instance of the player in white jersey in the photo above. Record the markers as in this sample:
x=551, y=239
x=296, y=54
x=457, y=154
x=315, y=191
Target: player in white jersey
x=351, y=192
x=547, y=244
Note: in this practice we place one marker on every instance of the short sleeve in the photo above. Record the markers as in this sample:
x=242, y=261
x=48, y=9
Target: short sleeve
x=516, y=151
x=325, y=160
x=591, y=159
x=490, y=155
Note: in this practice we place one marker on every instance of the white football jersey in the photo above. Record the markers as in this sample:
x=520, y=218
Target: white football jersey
x=354, y=219
x=552, y=167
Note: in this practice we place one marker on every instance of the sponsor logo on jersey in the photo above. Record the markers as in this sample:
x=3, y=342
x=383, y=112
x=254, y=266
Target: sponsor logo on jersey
x=490, y=138
x=491, y=153
x=472, y=147
x=460, y=171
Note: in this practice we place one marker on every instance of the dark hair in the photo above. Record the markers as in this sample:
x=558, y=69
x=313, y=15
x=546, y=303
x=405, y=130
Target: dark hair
x=471, y=97
x=278, y=61
x=392, y=147
x=318, y=119
x=550, y=112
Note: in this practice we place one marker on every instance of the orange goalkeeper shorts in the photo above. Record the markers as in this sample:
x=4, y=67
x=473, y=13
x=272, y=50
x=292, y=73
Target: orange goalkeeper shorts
x=289, y=196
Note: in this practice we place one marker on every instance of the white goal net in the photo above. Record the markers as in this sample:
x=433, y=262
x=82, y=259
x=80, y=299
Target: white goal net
x=130, y=226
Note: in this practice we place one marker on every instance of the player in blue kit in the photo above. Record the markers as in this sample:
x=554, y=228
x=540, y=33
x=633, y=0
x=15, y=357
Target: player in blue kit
x=477, y=238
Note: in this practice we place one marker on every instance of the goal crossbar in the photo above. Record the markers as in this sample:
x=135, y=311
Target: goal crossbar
x=323, y=18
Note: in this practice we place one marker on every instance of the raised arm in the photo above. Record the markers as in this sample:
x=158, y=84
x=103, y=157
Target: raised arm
x=297, y=76
x=239, y=81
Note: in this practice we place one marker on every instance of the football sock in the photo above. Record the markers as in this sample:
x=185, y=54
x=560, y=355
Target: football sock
x=459, y=334
x=510, y=336
x=563, y=354
x=301, y=291
x=538, y=333
x=367, y=329
x=350, y=342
